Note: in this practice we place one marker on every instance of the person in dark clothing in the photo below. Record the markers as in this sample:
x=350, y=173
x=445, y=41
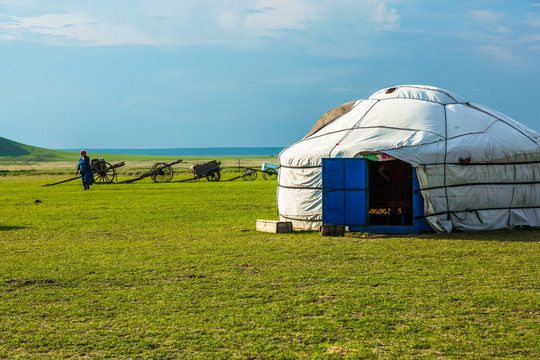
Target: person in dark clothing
x=87, y=175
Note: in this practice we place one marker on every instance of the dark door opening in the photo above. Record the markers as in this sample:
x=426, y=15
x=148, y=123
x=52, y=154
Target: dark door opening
x=390, y=193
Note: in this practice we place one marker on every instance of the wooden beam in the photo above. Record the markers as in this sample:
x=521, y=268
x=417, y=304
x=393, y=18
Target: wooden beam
x=274, y=226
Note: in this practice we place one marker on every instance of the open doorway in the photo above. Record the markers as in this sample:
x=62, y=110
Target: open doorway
x=390, y=193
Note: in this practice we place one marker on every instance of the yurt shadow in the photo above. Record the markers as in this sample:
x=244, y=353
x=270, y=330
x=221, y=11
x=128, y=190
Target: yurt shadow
x=531, y=235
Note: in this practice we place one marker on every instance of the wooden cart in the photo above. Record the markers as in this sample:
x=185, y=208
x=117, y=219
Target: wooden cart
x=269, y=172
x=209, y=170
x=104, y=172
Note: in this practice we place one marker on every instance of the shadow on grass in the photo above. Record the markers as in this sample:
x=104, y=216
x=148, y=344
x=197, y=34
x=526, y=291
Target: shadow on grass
x=19, y=283
x=8, y=228
x=517, y=235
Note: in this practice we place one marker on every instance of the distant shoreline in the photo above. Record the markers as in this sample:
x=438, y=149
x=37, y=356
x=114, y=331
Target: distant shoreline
x=223, y=151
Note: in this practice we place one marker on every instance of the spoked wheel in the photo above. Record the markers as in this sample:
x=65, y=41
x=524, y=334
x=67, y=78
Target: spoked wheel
x=103, y=172
x=269, y=174
x=213, y=176
x=161, y=173
x=249, y=174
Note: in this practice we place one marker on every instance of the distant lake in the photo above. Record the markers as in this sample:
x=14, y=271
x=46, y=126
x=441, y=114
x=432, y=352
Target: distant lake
x=219, y=151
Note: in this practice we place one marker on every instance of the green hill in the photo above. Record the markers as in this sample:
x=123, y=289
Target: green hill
x=11, y=148
x=13, y=151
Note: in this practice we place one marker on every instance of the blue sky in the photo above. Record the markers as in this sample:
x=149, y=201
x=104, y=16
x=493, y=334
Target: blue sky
x=174, y=73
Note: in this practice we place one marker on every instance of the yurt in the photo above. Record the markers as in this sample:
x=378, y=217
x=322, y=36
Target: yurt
x=411, y=159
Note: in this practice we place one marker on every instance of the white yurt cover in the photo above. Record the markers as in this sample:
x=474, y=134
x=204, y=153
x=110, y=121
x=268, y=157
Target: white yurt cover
x=477, y=168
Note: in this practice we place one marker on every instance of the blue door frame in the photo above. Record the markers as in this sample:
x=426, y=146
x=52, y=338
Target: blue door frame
x=345, y=198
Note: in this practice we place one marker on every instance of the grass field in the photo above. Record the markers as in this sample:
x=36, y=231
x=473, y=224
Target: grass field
x=177, y=271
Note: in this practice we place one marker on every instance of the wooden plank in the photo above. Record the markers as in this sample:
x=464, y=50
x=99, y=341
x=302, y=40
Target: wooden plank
x=149, y=173
x=274, y=226
x=63, y=181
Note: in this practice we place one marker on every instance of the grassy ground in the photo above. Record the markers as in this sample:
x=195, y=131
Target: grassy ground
x=176, y=270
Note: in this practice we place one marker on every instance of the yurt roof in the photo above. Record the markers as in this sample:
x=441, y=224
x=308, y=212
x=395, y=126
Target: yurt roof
x=418, y=124
x=418, y=92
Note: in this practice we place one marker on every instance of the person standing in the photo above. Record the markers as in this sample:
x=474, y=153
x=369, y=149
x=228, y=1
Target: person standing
x=87, y=175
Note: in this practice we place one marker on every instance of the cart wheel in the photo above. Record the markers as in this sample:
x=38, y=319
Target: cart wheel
x=103, y=172
x=269, y=174
x=213, y=176
x=249, y=174
x=161, y=173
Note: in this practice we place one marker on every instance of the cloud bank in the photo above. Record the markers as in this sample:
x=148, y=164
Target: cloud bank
x=178, y=23
x=341, y=28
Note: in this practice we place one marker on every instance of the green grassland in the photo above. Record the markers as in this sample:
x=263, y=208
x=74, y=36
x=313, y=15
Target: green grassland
x=177, y=271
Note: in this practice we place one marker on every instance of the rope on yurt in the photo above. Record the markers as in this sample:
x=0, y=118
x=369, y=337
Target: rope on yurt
x=300, y=167
x=505, y=122
x=295, y=219
x=482, y=184
x=514, y=187
x=445, y=157
x=353, y=128
x=487, y=164
x=299, y=187
x=476, y=210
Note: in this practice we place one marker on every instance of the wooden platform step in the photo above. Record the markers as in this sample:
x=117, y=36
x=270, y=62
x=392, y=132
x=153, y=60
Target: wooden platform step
x=274, y=226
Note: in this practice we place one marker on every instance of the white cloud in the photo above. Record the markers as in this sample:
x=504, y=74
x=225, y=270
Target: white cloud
x=489, y=21
x=533, y=19
x=204, y=22
x=532, y=41
x=487, y=16
x=161, y=22
x=501, y=54
x=78, y=28
x=268, y=18
x=386, y=19
x=507, y=39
